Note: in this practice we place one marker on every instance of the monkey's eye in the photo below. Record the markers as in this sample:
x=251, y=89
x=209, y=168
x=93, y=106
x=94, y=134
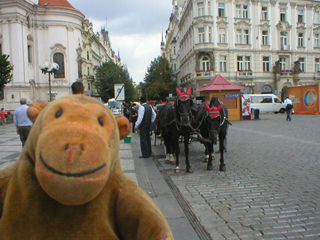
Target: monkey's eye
x=100, y=121
x=58, y=113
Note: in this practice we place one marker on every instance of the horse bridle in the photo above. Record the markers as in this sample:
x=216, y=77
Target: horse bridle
x=179, y=124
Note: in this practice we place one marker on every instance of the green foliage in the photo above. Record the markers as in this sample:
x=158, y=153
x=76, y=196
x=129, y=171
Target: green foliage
x=5, y=70
x=158, y=82
x=109, y=74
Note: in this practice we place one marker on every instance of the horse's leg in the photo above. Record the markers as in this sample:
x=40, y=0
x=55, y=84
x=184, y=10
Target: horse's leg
x=206, y=152
x=222, y=136
x=211, y=152
x=186, y=151
x=177, y=151
x=167, y=148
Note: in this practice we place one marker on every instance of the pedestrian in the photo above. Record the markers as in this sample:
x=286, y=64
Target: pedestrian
x=146, y=116
x=77, y=88
x=22, y=122
x=3, y=115
x=289, y=106
x=133, y=115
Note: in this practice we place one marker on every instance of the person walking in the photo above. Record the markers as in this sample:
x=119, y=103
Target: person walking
x=3, y=115
x=146, y=116
x=289, y=106
x=77, y=88
x=21, y=121
x=133, y=116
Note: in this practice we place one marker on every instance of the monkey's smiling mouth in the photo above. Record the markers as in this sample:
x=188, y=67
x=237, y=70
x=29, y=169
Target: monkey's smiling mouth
x=80, y=174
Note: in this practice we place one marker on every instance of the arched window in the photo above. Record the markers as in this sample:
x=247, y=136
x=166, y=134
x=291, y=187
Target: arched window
x=205, y=64
x=59, y=59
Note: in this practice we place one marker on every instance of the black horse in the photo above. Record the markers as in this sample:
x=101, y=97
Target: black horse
x=174, y=120
x=212, y=120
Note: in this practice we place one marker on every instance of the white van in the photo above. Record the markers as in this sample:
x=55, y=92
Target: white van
x=265, y=103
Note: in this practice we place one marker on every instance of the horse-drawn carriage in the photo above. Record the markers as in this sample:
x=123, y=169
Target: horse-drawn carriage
x=205, y=124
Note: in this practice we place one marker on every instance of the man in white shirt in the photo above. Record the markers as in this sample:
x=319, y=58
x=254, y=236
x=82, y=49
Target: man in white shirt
x=146, y=116
x=289, y=106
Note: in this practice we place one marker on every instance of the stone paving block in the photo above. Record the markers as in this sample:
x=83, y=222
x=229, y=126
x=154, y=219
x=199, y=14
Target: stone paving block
x=274, y=236
x=295, y=235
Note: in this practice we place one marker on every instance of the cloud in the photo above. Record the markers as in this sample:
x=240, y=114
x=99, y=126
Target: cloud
x=134, y=26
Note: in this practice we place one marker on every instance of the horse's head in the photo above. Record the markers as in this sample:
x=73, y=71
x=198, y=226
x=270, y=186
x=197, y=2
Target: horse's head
x=183, y=106
x=213, y=121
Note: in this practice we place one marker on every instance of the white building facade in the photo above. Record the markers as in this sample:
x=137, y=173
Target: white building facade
x=33, y=32
x=264, y=45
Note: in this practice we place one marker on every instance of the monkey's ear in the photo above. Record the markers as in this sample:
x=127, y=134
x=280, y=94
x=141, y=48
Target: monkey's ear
x=35, y=108
x=124, y=126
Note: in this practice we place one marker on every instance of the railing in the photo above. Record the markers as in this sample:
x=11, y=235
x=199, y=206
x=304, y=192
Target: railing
x=204, y=74
x=245, y=73
x=285, y=47
x=286, y=74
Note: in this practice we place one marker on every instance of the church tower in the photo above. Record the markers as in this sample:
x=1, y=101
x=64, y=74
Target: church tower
x=163, y=52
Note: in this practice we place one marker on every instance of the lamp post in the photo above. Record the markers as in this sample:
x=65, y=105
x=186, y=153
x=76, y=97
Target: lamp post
x=49, y=68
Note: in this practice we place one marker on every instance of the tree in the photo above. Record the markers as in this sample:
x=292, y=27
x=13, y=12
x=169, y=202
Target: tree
x=158, y=80
x=109, y=74
x=5, y=70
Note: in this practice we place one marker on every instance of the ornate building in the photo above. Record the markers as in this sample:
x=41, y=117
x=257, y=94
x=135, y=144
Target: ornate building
x=264, y=45
x=36, y=31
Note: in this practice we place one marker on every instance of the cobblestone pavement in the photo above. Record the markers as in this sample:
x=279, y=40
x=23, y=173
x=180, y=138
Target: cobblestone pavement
x=271, y=189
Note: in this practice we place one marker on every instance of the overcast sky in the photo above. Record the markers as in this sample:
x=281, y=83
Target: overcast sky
x=134, y=28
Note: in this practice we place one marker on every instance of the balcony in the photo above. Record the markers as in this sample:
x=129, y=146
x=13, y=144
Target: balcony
x=285, y=48
x=286, y=73
x=204, y=74
x=244, y=74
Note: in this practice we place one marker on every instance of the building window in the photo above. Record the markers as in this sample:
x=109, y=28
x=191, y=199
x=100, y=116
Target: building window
x=246, y=36
x=210, y=35
x=0, y=47
x=243, y=36
x=200, y=9
x=239, y=36
x=244, y=63
x=300, y=16
x=316, y=17
x=302, y=64
x=283, y=40
x=264, y=13
x=242, y=11
x=300, y=40
x=247, y=63
x=209, y=8
x=87, y=55
x=223, y=63
x=238, y=11
x=174, y=50
x=221, y=12
x=282, y=14
x=283, y=64
x=201, y=35
x=317, y=40
x=222, y=35
x=239, y=63
x=264, y=37
x=59, y=59
x=245, y=11
x=265, y=64
x=205, y=64
x=29, y=54
x=317, y=65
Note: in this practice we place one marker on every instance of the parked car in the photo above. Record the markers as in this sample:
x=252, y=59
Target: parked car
x=265, y=103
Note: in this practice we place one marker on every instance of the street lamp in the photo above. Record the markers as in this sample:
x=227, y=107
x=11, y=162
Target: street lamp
x=49, y=68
